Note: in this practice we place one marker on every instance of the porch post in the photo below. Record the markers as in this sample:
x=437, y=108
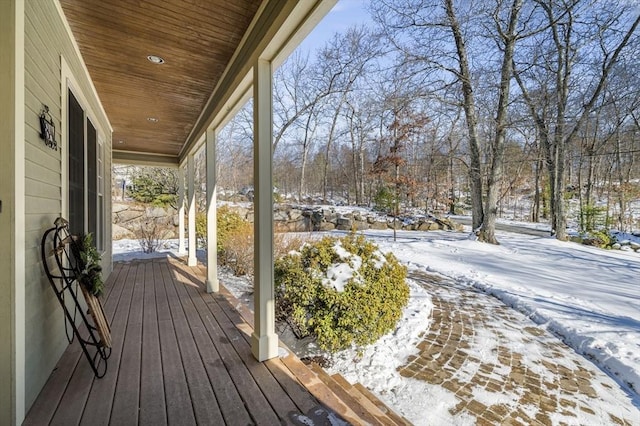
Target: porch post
x=212, y=241
x=181, y=247
x=264, y=341
x=192, y=260
x=12, y=214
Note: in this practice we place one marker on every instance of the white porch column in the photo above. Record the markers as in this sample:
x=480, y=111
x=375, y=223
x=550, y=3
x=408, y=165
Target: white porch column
x=181, y=247
x=213, y=284
x=264, y=341
x=192, y=260
x=13, y=371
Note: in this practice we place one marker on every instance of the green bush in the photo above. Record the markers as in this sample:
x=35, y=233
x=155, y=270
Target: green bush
x=593, y=217
x=228, y=223
x=155, y=185
x=338, y=314
x=237, y=250
x=384, y=200
x=201, y=229
x=89, y=263
x=234, y=239
x=600, y=239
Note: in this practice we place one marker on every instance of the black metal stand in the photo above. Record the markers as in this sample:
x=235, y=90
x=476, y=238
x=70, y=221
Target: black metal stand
x=62, y=272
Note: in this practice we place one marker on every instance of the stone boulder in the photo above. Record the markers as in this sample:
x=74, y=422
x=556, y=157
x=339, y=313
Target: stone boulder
x=119, y=207
x=120, y=233
x=155, y=212
x=327, y=226
x=125, y=216
x=344, y=223
x=379, y=225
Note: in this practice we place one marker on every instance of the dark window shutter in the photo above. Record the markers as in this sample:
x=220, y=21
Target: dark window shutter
x=76, y=166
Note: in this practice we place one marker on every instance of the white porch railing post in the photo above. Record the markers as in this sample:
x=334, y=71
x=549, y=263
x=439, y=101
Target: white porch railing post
x=264, y=341
x=181, y=248
x=212, y=246
x=192, y=260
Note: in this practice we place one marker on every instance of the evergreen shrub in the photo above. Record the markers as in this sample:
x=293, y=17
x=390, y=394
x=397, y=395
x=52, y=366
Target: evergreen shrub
x=600, y=239
x=356, y=306
x=234, y=241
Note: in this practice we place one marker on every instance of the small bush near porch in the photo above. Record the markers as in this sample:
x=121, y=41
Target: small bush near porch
x=340, y=291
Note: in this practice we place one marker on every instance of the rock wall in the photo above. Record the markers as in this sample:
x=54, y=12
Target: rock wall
x=127, y=218
x=289, y=218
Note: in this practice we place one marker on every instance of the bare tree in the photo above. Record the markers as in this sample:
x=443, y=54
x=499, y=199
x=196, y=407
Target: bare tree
x=342, y=62
x=507, y=43
x=575, y=31
x=431, y=29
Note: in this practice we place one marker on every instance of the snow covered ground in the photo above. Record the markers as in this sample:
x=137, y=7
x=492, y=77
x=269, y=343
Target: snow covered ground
x=588, y=297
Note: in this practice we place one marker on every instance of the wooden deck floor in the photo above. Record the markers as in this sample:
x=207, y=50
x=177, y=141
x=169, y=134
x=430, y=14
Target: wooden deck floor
x=180, y=357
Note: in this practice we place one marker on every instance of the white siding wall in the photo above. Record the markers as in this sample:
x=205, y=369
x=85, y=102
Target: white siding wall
x=46, y=41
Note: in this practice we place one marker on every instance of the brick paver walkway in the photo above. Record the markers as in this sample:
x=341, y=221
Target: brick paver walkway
x=504, y=369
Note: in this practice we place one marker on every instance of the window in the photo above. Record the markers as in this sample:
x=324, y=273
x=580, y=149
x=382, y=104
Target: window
x=85, y=189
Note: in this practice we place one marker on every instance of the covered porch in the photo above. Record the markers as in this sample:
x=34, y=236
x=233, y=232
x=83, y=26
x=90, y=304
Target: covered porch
x=143, y=83
x=184, y=351
x=196, y=64
x=183, y=356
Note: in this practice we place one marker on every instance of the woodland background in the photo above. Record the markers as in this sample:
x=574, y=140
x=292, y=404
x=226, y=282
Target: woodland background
x=521, y=109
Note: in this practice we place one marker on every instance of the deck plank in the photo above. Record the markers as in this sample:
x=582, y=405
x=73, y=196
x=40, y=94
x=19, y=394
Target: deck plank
x=256, y=402
x=231, y=404
x=153, y=410
x=127, y=393
x=279, y=399
x=301, y=376
x=98, y=408
x=179, y=408
x=276, y=395
x=302, y=398
x=75, y=397
x=205, y=405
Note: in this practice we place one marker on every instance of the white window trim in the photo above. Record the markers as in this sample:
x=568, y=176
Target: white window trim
x=100, y=194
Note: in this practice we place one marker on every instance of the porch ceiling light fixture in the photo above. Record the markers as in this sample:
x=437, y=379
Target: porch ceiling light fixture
x=152, y=119
x=154, y=59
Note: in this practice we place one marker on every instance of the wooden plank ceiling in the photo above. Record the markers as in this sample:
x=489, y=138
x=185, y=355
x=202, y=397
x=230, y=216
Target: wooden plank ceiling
x=153, y=107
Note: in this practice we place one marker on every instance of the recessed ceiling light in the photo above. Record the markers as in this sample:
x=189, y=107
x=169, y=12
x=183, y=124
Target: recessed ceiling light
x=121, y=142
x=152, y=119
x=155, y=59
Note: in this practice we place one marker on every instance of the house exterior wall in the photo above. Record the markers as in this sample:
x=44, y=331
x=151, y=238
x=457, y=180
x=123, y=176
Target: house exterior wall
x=52, y=63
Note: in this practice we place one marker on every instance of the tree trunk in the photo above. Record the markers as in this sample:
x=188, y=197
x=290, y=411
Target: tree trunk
x=487, y=233
x=332, y=129
x=475, y=171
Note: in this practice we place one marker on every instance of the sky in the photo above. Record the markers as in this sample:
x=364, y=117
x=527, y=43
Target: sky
x=584, y=296
x=345, y=14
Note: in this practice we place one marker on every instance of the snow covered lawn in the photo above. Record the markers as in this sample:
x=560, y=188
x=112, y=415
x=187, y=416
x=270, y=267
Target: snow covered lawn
x=588, y=296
